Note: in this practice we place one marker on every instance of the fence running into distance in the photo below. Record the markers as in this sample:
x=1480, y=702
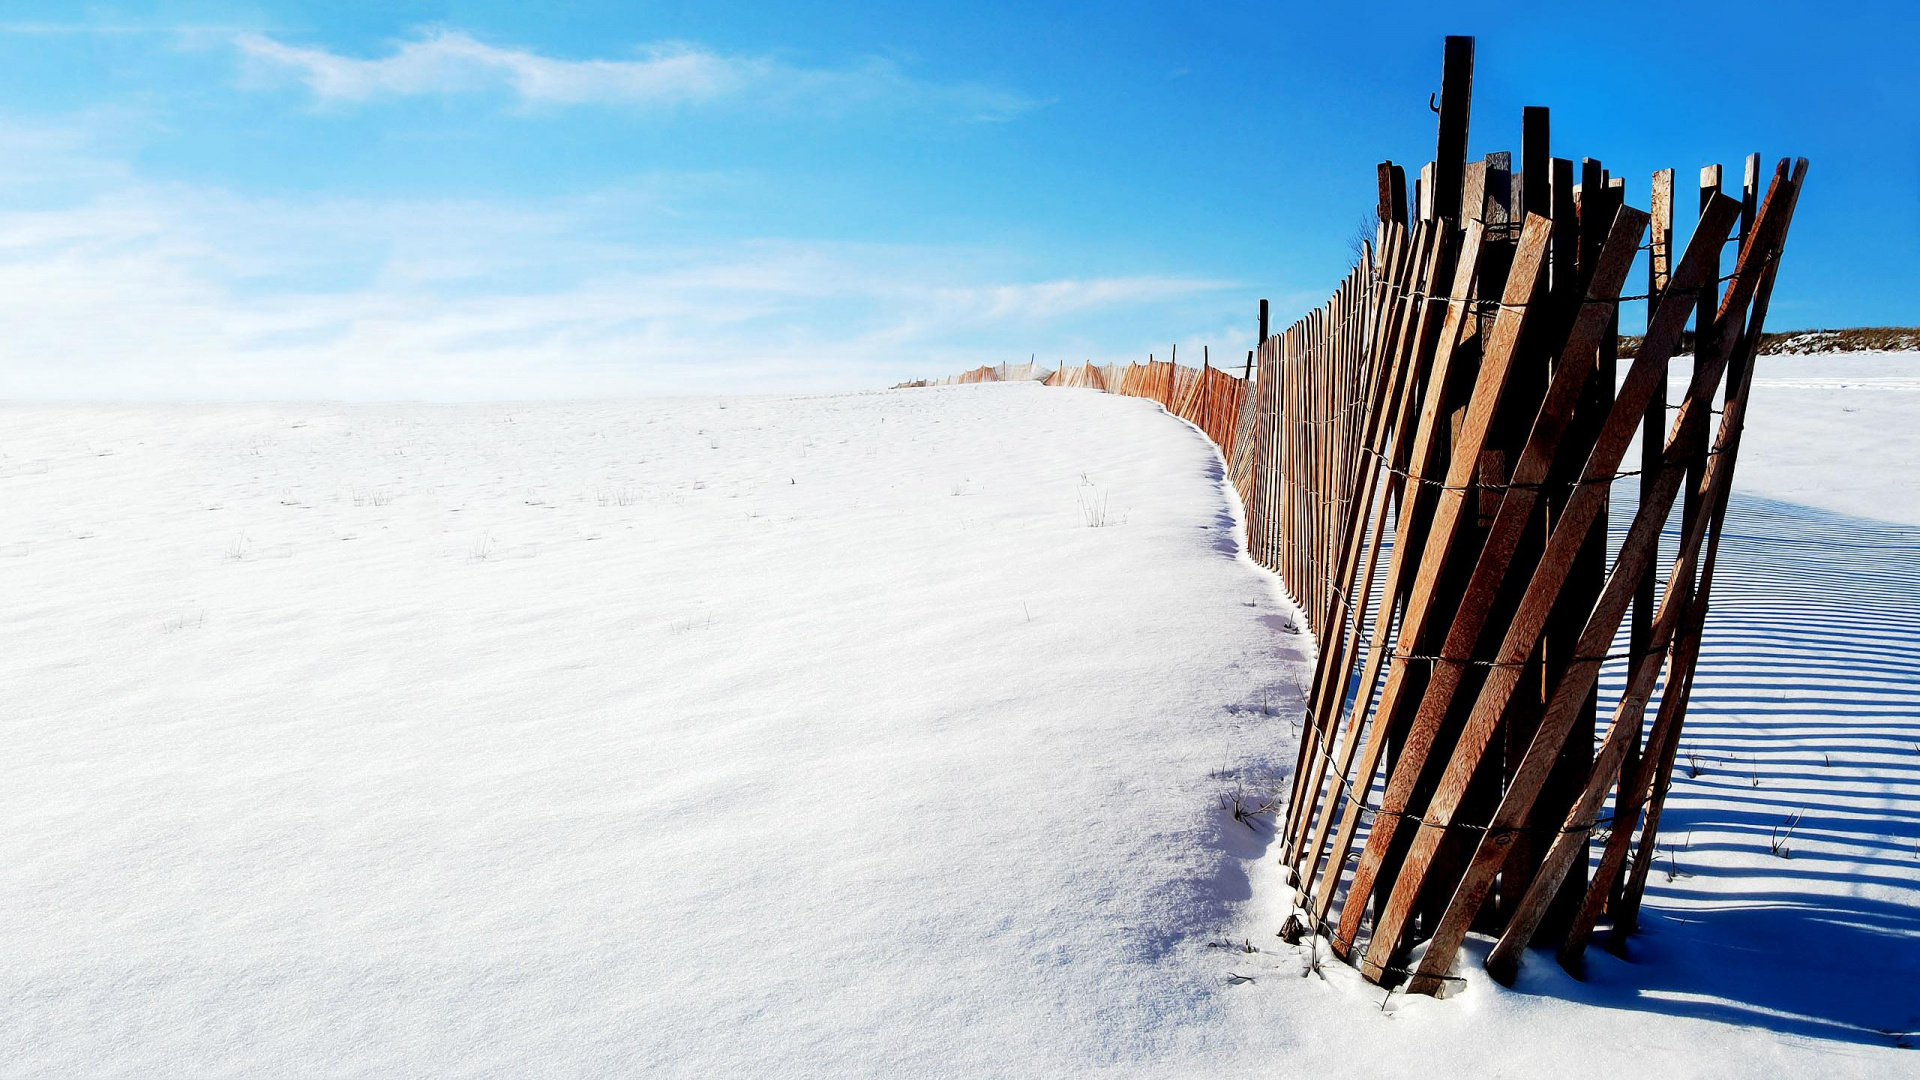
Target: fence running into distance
x=1428, y=462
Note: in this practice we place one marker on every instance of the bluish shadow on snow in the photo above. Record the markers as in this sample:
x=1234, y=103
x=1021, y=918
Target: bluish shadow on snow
x=1235, y=846
x=1807, y=702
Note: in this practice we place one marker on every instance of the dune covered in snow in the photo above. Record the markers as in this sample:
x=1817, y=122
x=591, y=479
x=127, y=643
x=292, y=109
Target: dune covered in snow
x=885, y=734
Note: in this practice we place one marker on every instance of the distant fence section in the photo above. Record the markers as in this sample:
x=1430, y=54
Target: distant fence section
x=1428, y=462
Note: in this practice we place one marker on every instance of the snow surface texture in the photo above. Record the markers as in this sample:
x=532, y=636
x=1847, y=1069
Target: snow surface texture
x=884, y=734
x=1840, y=432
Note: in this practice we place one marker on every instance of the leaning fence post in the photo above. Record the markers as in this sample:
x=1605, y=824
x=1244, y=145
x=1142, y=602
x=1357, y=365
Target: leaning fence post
x=1456, y=99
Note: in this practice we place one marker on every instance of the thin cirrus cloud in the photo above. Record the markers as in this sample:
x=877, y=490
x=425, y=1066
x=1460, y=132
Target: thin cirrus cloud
x=170, y=292
x=662, y=76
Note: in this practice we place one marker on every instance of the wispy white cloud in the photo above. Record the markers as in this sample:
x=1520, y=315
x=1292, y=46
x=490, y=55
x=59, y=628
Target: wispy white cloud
x=136, y=290
x=663, y=75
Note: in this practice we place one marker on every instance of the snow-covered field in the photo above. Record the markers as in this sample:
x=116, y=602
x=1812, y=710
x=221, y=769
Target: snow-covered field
x=883, y=734
x=1839, y=433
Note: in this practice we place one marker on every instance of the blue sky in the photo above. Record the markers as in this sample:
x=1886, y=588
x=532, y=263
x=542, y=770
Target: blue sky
x=457, y=200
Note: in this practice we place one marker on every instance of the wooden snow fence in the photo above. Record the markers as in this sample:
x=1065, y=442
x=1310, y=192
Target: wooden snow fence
x=1439, y=507
x=1428, y=461
x=1085, y=376
x=978, y=375
x=1206, y=397
x=1028, y=372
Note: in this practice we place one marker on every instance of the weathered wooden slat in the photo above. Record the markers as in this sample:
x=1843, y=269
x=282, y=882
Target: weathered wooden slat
x=1536, y=194
x=1652, y=425
x=1749, y=195
x=1497, y=206
x=1704, y=308
x=1456, y=102
x=1473, y=193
